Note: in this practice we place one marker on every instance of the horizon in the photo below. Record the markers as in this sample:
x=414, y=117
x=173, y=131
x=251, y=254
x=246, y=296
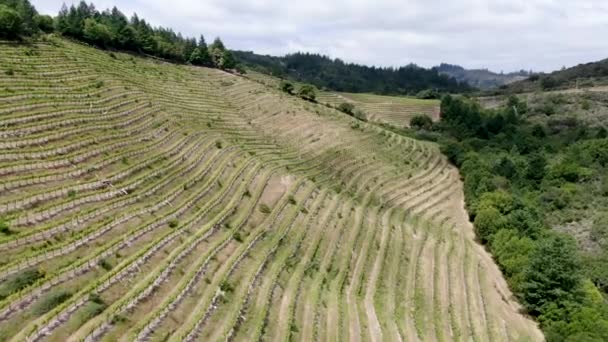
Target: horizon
x=500, y=37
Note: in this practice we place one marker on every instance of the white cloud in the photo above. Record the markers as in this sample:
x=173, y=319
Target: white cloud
x=496, y=34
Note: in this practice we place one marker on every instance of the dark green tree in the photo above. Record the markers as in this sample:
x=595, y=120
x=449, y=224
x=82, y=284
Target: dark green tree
x=44, y=23
x=10, y=22
x=421, y=122
x=346, y=107
x=308, y=93
x=553, y=274
x=97, y=33
x=287, y=87
x=537, y=167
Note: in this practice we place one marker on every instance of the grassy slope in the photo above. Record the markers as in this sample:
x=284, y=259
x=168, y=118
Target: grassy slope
x=162, y=201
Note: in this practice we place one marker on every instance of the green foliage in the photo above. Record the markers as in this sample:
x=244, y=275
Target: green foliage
x=45, y=23
x=308, y=93
x=4, y=227
x=428, y=94
x=487, y=222
x=17, y=19
x=200, y=54
x=105, y=264
x=553, y=274
x=512, y=251
x=97, y=33
x=287, y=87
x=326, y=73
x=421, y=122
x=347, y=107
x=10, y=22
x=173, y=223
x=19, y=281
x=264, y=208
x=537, y=167
x=112, y=29
x=52, y=300
x=519, y=176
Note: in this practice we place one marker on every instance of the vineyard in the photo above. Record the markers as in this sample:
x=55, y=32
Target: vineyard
x=393, y=110
x=147, y=201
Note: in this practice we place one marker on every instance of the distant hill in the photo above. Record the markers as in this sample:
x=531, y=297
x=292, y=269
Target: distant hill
x=481, y=78
x=581, y=76
x=335, y=74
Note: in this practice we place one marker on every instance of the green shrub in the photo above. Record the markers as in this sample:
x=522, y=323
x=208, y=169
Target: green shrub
x=51, y=301
x=226, y=286
x=10, y=22
x=308, y=93
x=347, y=108
x=287, y=87
x=218, y=144
x=487, y=222
x=237, y=236
x=265, y=209
x=173, y=223
x=9, y=72
x=4, y=228
x=19, y=281
x=421, y=121
x=105, y=264
x=292, y=200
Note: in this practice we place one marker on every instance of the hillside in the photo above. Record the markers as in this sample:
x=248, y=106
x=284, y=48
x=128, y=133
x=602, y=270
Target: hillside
x=588, y=75
x=481, y=78
x=393, y=110
x=142, y=200
x=335, y=74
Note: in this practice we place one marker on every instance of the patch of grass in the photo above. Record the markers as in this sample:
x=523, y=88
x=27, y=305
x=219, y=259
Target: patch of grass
x=72, y=193
x=52, y=300
x=105, y=264
x=19, y=281
x=4, y=227
x=226, y=286
x=264, y=208
x=99, y=84
x=9, y=72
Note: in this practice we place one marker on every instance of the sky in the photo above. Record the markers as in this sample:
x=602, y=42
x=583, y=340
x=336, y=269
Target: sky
x=500, y=35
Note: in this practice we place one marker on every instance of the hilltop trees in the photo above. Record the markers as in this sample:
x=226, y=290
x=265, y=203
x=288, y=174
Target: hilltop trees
x=200, y=54
x=17, y=18
x=10, y=22
x=221, y=57
x=324, y=72
x=112, y=29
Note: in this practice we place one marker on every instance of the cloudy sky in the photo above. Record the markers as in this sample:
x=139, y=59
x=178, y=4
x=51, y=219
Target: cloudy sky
x=542, y=35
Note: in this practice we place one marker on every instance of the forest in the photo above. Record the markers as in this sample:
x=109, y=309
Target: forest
x=112, y=29
x=517, y=174
x=335, y=74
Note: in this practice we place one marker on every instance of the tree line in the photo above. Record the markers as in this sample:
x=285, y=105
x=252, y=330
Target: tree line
x=335, y=74
x=518, y=176
x=112, y=29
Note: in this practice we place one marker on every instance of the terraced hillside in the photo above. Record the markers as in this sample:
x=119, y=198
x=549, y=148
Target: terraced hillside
x=393, y=110
x=147, y=201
